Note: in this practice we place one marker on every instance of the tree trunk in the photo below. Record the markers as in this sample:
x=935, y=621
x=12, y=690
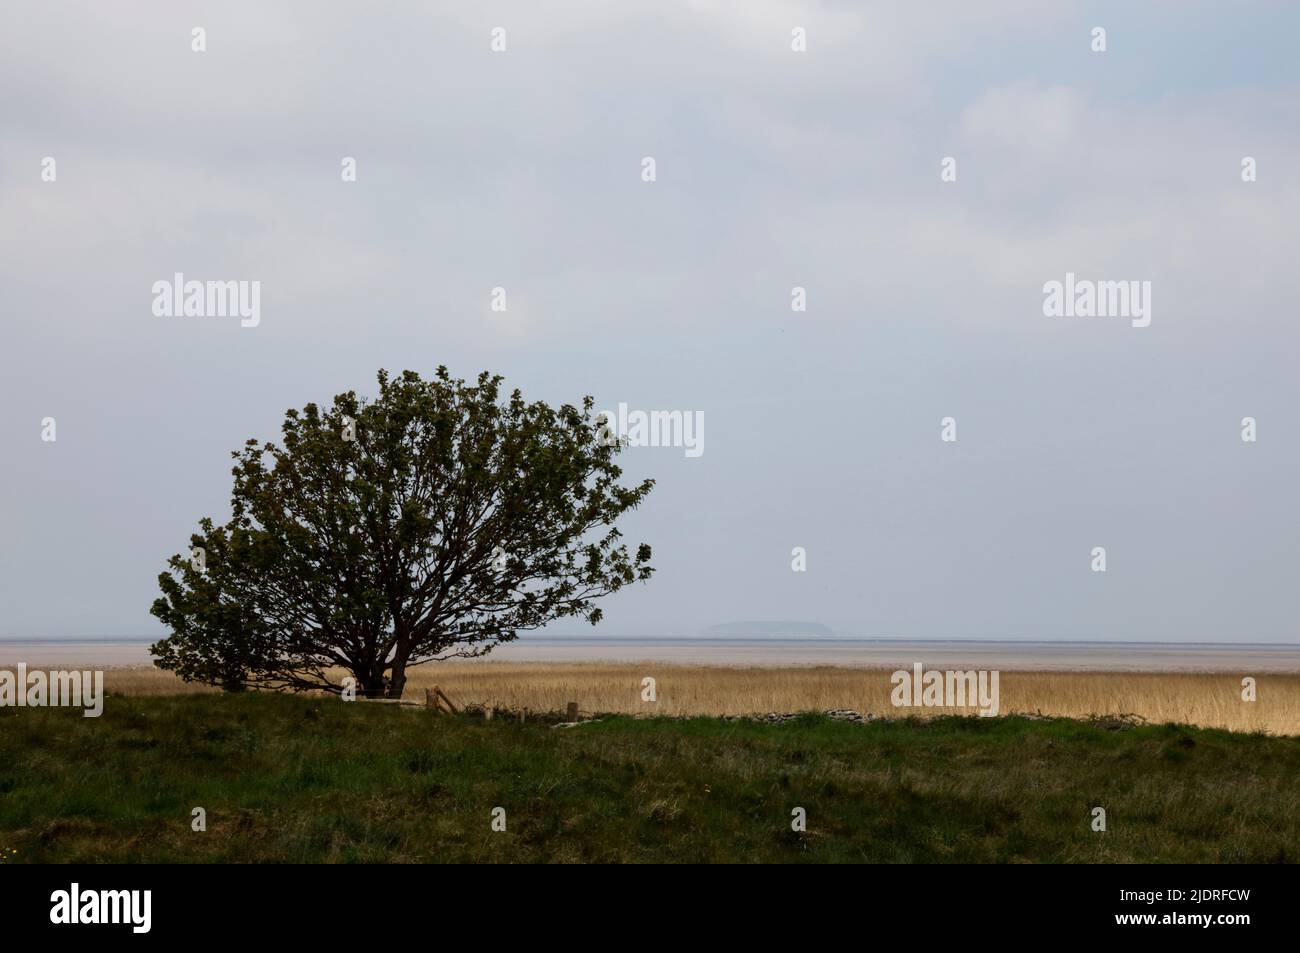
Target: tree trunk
x=397, y=682
x=374, y=685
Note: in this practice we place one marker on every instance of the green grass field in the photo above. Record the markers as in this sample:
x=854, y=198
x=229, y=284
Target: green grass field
x=303, y=779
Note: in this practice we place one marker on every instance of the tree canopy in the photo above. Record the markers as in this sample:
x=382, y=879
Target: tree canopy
x=437, y=520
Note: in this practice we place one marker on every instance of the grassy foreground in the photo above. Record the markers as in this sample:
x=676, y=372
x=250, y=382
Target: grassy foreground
x=304, y=779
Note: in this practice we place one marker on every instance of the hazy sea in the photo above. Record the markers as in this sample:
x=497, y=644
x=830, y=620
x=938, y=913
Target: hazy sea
x=862, y=653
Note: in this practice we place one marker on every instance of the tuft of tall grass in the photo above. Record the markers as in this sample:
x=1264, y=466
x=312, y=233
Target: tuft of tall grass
x=1211, y=700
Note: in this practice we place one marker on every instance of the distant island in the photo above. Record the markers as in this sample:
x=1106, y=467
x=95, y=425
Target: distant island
x=768, y=630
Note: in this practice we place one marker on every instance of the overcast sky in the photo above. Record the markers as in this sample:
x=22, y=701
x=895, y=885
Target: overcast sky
x=774, y=169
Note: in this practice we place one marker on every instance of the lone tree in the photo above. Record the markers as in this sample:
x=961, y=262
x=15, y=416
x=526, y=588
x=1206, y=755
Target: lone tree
x=435, y=521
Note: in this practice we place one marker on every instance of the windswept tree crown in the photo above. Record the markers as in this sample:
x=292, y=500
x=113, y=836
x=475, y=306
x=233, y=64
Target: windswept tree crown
x=435, y=521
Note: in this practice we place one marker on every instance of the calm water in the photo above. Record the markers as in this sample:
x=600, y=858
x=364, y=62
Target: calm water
x=1040, y=656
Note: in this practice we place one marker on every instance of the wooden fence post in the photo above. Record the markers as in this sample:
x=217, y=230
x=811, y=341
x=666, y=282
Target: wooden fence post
x=572, y=713
x=451, y=708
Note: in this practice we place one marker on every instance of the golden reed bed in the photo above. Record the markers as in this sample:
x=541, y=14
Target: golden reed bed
x=1208, y=700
